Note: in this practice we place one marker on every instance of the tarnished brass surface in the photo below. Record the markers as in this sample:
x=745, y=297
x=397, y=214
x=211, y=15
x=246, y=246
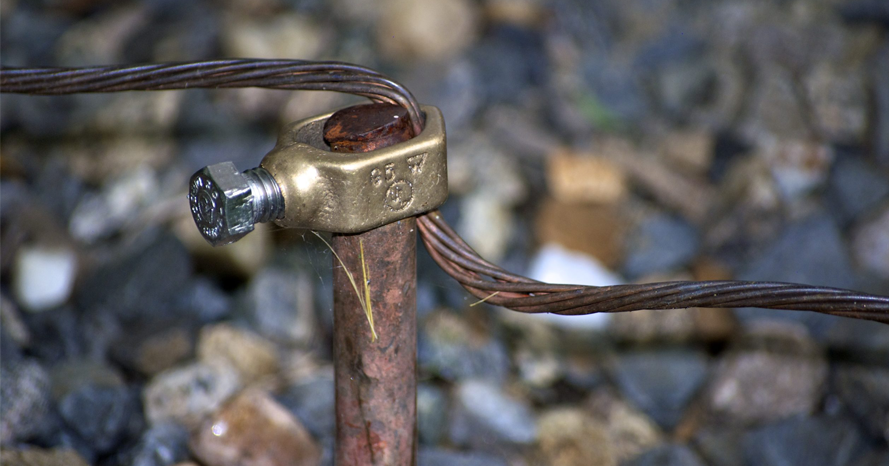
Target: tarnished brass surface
x=351, y=193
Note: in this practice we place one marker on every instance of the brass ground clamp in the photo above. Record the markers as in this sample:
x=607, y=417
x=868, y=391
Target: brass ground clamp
x=302, y=184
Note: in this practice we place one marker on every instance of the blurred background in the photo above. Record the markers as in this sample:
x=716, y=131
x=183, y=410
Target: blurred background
x=594, y=142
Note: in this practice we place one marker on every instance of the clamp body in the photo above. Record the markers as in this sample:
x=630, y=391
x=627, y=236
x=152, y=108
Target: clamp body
x=302, y=184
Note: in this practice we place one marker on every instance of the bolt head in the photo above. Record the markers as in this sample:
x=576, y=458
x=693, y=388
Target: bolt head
x=221, y=203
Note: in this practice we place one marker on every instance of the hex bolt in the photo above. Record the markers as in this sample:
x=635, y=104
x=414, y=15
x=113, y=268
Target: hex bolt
x=226, y=203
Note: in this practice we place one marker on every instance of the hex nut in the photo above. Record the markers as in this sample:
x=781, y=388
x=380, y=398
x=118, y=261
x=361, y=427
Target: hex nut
x=221, y=203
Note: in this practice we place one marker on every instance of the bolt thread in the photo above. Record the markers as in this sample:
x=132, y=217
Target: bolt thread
x=268, y=202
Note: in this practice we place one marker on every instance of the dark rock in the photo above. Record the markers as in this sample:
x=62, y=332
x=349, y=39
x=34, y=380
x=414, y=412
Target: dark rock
x=450, y=348
x=865, y=11
x=59, y=332
x=662, y=382
x=859, y=340
x=24, y=399
x=616, y=93
x=881, y=103
x=162, y=445
x=102, y=416
x=855, y=187
x=865, y=391
x=820, y=441
x=720, y=447
x=440, y=457
x=431, y=413
x=312, y=402
x=484, y=417
x=810, y=251
x=667, y=455
x=510, y=61
x=660, y=243
x=142, y=286
x=205, y=301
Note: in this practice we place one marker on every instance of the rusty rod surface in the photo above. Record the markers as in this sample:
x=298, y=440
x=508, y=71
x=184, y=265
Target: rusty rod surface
x=376, y=387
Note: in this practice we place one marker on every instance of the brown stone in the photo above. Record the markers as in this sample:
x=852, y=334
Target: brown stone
x=254, y=430
x=251, y=355
x=41, y=457
x=596, y=230
x=570, y=437
x=585, y=178
x=690, y=150
x=163, y=350
x=630, y=432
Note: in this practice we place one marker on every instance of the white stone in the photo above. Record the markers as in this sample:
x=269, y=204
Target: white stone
x=44, y=276
x=555, y=264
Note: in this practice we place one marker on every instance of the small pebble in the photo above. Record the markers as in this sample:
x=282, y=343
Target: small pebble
x=44, y=277
x=254, y=430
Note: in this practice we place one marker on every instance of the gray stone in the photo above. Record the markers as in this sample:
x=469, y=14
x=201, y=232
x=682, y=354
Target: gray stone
x=431, y=413
x=189, y=393
x=660, y=243
x=280, y=304
x=870, y=244
x=759, y=386
x=24, y=399
x=102, y=416
x=441, y=457
x=668, y=455
x=164, y=444
x=821, y=441
x=484, y=417
x=865, y=391
x=810, y=251
x=312, y=402
x=450, y=348
x=777, y=372
x=661, y=382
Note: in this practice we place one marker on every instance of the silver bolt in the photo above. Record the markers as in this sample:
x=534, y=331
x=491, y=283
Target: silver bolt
x=226, y=203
